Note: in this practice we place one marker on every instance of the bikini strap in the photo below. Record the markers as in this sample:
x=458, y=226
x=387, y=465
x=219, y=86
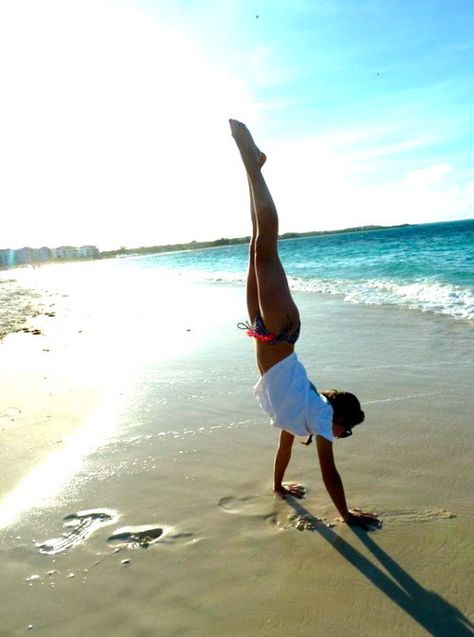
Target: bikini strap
x=244, y=326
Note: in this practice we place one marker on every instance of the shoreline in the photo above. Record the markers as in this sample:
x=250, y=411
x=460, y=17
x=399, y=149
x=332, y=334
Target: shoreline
x=33, y=300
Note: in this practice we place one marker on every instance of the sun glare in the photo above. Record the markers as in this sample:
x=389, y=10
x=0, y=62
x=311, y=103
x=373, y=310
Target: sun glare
x=115, y=122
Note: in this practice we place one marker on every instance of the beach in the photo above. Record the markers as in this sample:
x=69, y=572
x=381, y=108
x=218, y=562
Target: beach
x=135, y=496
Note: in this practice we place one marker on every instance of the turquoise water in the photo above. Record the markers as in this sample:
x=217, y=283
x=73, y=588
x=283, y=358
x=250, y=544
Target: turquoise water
x=426, y=267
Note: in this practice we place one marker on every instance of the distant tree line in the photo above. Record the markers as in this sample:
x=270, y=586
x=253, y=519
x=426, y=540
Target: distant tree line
x=174, y=247
x=199, y=245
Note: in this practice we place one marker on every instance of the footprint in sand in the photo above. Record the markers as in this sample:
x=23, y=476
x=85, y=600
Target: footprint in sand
x=82, y=525
x=252, y=506
x=141, y=537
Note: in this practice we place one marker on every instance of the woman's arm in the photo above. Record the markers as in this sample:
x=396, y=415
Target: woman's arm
x=333, y=483
x=331, y=478
x=282, y=459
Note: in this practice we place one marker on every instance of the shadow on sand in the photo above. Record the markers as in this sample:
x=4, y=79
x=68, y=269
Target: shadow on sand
x=433, y=613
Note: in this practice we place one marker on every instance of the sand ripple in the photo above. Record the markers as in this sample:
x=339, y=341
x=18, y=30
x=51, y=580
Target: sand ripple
x=405, y=516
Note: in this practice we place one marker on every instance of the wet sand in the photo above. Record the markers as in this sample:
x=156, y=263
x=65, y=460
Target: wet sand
x=159, y=517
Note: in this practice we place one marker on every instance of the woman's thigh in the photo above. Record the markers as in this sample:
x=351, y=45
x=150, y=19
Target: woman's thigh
x=277, y=306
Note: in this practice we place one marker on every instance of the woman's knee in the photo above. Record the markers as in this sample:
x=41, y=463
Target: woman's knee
x=265, y=249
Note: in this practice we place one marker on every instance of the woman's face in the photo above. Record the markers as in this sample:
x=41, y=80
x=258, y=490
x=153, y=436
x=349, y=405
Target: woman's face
x=339, y=430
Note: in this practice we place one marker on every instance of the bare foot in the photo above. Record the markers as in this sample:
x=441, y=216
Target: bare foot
x=252, y=156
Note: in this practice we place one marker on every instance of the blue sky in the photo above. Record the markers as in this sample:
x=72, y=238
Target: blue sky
x=115, y=124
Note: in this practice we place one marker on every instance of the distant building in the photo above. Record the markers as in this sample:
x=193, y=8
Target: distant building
x=65, y=252
x=7, y=258
x=88, y=252
x=43, y=254
x=23, y=256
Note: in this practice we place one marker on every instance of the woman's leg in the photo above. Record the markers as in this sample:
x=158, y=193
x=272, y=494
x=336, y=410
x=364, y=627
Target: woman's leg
x=274, y=297
x=252, y=289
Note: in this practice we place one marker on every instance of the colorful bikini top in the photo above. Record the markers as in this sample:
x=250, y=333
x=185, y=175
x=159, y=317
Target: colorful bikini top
x=260, y=332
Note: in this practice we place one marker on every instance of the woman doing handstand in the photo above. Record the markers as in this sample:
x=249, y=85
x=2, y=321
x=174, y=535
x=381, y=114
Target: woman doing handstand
x=284, y=390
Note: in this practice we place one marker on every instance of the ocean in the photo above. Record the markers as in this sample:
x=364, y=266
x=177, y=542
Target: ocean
x=428, y=267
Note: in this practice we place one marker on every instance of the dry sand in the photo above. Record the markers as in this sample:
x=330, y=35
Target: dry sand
x=162, y=461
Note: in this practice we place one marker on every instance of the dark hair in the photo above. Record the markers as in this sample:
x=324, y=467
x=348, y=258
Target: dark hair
x=346, y=407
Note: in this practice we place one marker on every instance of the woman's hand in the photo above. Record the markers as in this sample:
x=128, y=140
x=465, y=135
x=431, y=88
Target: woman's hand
x=295, y=490
x=356, y=517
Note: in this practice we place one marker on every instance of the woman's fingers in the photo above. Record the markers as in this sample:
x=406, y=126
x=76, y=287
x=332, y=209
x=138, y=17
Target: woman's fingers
x=295, y=490
x=364, y=520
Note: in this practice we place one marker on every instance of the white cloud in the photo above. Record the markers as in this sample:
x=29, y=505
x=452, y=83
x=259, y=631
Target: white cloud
x=427, y=177
x=318, y=186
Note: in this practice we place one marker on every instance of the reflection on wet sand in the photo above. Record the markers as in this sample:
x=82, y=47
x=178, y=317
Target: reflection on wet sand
x=45, y=482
